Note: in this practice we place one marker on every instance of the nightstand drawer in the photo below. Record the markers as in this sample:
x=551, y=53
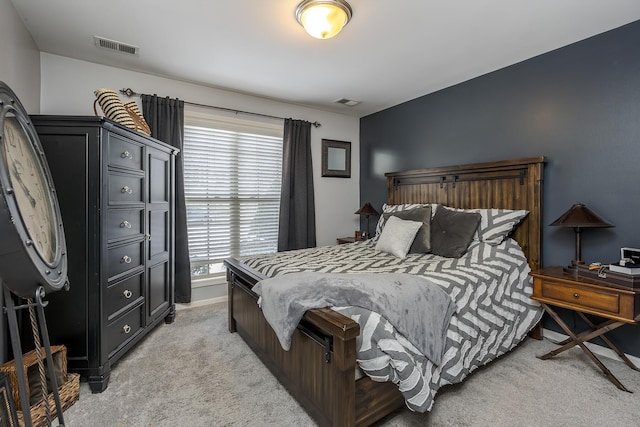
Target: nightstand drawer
x=595, y=299
x=555, y=286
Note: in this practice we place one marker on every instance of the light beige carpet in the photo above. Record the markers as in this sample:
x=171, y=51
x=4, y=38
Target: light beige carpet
x=195, y=373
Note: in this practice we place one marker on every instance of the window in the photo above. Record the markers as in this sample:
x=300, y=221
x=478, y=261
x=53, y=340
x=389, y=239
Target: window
x=233, y=172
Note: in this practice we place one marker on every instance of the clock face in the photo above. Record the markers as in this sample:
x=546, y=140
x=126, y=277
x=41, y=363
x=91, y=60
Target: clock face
x=33, y=250
x=30, y=188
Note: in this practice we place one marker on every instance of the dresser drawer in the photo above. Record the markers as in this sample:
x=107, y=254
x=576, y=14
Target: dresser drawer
x=123, y=153
x=125, y=188
x=122, y=294
x=124, y=223
x=590, y=298
x=124, y=329
x=121, y=259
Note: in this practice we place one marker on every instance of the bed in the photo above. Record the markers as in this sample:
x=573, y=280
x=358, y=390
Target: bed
x=320, y=368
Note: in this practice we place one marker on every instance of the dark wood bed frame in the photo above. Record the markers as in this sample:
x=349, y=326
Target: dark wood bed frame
x=319, y=369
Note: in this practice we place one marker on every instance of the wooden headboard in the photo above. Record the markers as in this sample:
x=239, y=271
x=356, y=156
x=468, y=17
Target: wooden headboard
x=508, y=184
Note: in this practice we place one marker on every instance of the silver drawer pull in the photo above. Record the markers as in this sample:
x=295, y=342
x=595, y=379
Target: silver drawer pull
x=148, y=236
x=125, y=224
x=127, y=293
x=576, y=295
x=126, y=259
x=126, y=189
x=126, y=329
x=126, y=155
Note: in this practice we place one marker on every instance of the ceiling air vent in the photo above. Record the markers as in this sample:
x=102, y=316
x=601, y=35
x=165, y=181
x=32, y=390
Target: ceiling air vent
x=347, y=102
x=115, y=45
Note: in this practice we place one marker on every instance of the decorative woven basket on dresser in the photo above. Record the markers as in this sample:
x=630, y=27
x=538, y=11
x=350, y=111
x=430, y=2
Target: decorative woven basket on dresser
x=68, y=385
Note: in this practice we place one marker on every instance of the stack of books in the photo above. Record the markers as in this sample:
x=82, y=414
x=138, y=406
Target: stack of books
x=629, y=262
x=631, y=269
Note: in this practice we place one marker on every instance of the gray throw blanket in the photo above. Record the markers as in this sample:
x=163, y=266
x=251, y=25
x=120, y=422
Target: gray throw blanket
x=419, y=309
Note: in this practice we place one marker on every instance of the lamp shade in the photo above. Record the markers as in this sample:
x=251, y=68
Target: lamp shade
x=367, y=209
x=581, y=216
x=323, y=19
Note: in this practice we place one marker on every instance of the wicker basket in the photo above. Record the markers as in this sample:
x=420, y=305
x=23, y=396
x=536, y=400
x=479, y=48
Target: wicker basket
x=68, y=385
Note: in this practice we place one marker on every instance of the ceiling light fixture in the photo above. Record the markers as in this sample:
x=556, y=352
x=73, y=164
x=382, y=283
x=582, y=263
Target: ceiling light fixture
x=323, y=19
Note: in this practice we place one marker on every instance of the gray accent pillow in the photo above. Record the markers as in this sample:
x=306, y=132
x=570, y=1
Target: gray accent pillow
x=495, y=224
x=397, y=236
x=396, y=208
x=422, y=241
x=452, y=232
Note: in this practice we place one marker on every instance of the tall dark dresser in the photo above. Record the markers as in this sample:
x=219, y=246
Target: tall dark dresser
x=115, y=188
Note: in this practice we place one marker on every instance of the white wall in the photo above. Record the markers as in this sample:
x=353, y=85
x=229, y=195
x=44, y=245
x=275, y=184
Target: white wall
x=67, y=88
x=20, y=63
x=20, y=70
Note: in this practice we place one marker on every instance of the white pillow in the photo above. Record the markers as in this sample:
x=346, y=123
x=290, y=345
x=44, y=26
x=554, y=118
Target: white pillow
x=397, y=236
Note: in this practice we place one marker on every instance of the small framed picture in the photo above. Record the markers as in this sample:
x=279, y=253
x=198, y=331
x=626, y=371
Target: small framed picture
x=8, y=417
x=336, y=158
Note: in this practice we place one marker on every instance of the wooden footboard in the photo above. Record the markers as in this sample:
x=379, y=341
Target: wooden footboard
x=319, y=369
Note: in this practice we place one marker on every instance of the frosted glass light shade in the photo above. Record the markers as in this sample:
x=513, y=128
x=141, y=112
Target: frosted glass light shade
x=323, y=19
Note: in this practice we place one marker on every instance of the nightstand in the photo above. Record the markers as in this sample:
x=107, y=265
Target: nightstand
x=343, y=240
x=553, y=286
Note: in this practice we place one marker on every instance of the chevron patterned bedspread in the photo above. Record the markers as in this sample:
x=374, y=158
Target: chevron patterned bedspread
x=489, y=284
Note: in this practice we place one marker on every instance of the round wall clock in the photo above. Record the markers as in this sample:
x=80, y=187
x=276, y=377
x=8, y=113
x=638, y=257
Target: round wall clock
x=32, y=246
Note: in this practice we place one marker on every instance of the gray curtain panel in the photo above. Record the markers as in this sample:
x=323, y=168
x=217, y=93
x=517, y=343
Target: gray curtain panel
x=297, y=228
x=165, y=117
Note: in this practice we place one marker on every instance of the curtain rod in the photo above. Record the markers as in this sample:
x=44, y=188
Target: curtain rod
x=129, y=92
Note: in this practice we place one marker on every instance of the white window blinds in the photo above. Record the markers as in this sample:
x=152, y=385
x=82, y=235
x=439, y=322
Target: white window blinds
x=232, y=174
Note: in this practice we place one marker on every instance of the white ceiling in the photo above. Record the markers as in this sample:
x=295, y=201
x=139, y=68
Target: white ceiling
x=391, y=51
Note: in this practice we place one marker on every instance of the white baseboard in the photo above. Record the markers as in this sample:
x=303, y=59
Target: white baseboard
x=597, y=349
x=201, y=303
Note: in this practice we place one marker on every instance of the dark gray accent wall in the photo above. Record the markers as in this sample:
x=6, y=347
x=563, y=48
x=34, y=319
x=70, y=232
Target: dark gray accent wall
x=579, y=106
